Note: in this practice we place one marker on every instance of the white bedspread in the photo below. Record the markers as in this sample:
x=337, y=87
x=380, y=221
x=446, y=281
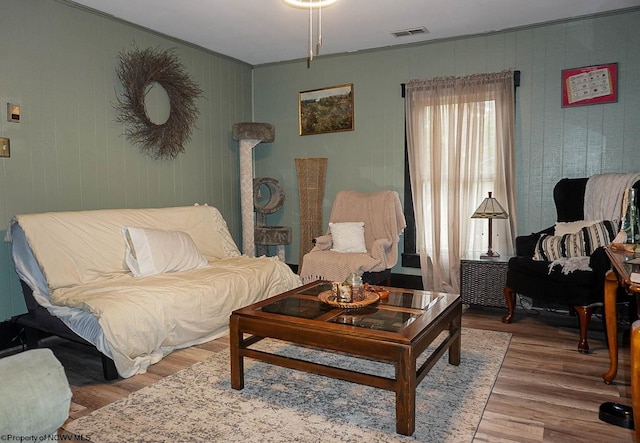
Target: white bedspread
x=144, y=319
x=81, y=255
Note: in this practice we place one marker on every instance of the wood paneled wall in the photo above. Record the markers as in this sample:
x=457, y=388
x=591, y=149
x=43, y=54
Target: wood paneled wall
x=552, y=142
x=68, y=153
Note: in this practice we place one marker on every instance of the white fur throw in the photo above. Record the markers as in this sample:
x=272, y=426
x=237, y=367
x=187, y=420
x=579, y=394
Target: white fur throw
x=570, y=264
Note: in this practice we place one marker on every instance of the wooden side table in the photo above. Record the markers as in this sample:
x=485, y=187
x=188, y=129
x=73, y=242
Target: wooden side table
x=482, y=280
x=621, y=276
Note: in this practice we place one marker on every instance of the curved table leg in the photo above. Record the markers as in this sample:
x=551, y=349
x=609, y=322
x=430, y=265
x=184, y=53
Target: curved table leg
x=584, y=315
x=611, y=320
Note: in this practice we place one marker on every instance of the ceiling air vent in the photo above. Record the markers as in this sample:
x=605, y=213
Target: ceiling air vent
x=412, y=31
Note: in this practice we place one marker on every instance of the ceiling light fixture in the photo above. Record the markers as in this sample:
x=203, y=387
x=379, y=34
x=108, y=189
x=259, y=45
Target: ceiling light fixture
x=311, y=5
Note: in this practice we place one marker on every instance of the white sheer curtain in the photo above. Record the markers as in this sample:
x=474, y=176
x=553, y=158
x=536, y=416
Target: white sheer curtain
x=460, y=138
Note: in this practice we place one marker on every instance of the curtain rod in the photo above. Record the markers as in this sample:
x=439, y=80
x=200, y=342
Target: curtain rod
x=516, y=81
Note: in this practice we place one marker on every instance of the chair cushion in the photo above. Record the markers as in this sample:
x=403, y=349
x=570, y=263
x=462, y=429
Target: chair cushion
x=562, y=228
x=532, y=279
x=580, y=244
x=553, y=247
x=599, y=234
x=540, y=270
x=348, y=237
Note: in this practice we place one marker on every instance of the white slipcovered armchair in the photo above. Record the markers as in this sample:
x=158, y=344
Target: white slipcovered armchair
x=363, y=235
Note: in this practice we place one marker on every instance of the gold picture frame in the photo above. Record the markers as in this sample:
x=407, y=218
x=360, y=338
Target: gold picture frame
x=326, y=110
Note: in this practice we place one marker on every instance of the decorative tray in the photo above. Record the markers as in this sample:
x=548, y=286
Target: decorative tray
x=329, y=298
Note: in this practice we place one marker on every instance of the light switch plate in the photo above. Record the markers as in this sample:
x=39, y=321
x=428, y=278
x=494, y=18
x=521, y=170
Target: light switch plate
x=5, y=150
x=13, y=113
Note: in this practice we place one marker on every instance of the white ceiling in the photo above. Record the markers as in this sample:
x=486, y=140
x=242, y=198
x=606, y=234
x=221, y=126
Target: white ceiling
x=266, y=31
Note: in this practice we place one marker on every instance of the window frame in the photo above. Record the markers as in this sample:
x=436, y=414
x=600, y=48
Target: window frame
x=409, y=257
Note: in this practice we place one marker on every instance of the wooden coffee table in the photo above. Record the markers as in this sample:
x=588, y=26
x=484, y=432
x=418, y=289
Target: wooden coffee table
x=395, y=331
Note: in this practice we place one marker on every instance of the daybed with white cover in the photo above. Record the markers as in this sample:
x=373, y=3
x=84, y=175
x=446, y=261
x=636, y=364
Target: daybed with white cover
x=138, y=283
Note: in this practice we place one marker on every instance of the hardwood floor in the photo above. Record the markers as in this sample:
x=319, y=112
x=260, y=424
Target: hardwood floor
x=545, y=392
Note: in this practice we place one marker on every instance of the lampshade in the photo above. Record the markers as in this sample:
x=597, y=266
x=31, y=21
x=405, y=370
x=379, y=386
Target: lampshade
x=490, y=208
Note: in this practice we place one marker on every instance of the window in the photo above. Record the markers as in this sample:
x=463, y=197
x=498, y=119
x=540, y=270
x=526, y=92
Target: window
x=459, y=143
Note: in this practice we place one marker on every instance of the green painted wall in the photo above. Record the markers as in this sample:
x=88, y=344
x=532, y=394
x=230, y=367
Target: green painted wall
x=58, y=62
x=552, y=142
x=69, y=153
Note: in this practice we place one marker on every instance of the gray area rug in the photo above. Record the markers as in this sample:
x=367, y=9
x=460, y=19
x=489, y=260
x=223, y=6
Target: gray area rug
x=283, y=405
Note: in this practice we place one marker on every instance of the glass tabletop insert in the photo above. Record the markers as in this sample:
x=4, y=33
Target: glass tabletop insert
x=297, y=307
x=374, y=318
x=394, y=314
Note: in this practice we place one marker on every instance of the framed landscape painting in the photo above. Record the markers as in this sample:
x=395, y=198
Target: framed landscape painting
x=326, y=110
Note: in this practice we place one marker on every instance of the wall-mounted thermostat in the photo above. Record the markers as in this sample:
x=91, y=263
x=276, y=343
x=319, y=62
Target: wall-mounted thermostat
x=13, y=113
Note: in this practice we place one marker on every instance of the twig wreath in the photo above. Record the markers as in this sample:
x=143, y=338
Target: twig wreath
x=137, y=71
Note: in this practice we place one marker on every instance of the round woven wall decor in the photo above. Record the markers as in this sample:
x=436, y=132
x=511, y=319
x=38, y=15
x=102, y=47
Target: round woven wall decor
x=137, y=71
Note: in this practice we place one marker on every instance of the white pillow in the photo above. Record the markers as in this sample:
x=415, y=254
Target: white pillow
x=563, y=228
x=348, y=237
x=155, y=251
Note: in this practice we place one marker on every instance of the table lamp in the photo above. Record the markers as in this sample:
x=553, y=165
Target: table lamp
x=490, y=209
